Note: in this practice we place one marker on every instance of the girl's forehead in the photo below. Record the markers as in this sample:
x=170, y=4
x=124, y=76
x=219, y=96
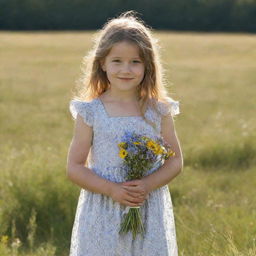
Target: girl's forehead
x=124, y=49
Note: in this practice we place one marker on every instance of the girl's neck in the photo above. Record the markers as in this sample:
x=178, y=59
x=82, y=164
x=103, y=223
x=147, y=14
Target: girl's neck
x=127, y=96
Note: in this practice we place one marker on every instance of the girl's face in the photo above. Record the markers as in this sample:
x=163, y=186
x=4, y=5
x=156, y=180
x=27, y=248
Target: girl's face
x=123, y=66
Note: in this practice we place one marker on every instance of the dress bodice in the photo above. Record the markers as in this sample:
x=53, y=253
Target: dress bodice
x=107, y=132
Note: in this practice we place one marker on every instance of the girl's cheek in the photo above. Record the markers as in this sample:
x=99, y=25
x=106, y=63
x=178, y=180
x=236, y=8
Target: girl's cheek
x=139, y=70
x=113, y=70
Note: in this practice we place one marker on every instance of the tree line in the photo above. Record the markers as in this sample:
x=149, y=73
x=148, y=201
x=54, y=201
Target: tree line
x=196, y=15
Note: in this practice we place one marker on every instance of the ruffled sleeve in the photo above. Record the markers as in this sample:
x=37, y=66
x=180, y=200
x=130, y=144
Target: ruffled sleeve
x=172, y=107
x=84, y=109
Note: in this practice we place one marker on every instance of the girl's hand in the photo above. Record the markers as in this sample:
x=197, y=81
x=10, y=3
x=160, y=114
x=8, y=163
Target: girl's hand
x=137, y=187
x=125, y=195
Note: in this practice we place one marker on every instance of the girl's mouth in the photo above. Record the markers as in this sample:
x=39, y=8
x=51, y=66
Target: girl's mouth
x=125, y=79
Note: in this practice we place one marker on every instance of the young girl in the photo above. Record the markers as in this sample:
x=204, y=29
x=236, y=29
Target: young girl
x=122, y=91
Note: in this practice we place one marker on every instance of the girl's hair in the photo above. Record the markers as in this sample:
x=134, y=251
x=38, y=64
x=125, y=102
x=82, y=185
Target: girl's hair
x=126, y=27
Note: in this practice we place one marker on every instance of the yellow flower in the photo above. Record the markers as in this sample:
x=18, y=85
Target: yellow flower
x=151, y=145
x=160, y=150
x=156, y=148
x=136, y=143
x=170, y=153
x=163, y=150
x=121, y=145
x=123, y=153
x=145, y=138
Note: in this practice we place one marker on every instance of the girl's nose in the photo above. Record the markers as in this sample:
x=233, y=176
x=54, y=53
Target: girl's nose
x=126, y=68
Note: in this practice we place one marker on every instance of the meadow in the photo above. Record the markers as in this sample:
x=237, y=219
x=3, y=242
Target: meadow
x=212, y=75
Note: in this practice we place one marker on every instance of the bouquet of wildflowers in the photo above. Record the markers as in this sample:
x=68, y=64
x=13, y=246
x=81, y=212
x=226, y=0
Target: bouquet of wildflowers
x=140, y=154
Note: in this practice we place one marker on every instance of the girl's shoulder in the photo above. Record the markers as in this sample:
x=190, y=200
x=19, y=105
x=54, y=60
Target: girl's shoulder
x=168, y=106
x=85, y=109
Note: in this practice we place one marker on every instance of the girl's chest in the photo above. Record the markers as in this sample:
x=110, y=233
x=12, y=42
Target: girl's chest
x=114, y=110
x=115, y=126
x=113, y=129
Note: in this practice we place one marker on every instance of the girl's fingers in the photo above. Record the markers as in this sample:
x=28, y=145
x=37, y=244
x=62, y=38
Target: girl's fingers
x=133, y=189
x=136, y=195
x=133, y=203
x=133, y=200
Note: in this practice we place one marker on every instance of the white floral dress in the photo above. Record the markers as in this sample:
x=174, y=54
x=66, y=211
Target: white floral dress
x=97, y=221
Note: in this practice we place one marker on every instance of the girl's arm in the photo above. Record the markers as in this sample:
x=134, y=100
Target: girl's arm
x=77, y=155
x=174, y=165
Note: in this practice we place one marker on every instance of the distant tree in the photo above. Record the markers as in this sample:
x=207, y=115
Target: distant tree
x=210, y=15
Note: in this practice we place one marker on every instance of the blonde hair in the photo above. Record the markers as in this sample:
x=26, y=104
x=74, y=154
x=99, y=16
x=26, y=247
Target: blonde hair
x=126, y=27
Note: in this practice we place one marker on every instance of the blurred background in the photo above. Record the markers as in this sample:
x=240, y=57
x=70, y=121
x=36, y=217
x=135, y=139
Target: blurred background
x=208, y=49
x=196, y=15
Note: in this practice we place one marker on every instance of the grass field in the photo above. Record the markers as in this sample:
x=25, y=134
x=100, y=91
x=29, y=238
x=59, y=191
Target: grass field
x=212, y=75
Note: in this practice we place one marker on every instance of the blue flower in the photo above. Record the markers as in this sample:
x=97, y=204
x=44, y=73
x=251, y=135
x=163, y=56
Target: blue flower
x=133, y=150
x=129, y=136
x=151, y=156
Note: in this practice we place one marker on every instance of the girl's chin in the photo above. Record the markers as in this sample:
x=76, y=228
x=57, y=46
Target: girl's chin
x=124, y=88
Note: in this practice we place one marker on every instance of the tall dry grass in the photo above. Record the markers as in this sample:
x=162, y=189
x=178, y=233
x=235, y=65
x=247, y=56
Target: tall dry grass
x=213, y=76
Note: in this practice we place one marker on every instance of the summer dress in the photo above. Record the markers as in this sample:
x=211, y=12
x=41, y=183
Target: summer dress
x=98, y=217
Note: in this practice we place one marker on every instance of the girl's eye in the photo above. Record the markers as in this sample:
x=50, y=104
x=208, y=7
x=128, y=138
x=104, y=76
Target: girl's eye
x=134, y=61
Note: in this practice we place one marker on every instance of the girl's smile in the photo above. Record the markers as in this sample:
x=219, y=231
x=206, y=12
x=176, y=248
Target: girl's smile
x=125, y=79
